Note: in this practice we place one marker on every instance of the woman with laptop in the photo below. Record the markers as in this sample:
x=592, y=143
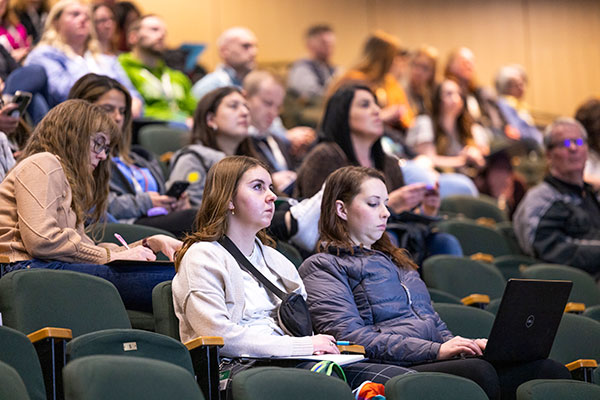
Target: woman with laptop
x=363, y=289
x=214, y=294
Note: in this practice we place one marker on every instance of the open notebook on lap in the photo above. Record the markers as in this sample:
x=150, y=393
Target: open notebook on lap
x=527, y=320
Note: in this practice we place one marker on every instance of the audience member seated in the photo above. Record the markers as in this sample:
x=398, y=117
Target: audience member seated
x=351, y=131
x=13, y=35
x=213, y=295
x=308, y=78
x=511, y=82
x=126, y=13
x=558, y=221
x=220, y=129
x=166, y=92
x=450, y=139
x=237, y=49
x=137, y=186
x=265, y=98
x=32, y=14
x=499, y=180
x=480, y=101
x=363, y=289
x=60, y=182
x=588, y=114
x=12, y=138
x=67, y=51
x=381, y=57
x=421, y=80
x=103, y=18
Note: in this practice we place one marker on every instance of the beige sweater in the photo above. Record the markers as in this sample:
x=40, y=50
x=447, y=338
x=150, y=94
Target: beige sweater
x=208, y=294
x=36, y=218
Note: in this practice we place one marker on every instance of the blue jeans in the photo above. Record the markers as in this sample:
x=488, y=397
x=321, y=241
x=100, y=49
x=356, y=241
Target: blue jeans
x=443, y=243
x=134, y=283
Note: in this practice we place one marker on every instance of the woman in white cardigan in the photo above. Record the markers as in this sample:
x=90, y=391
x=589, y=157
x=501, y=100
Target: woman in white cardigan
x=214, y=296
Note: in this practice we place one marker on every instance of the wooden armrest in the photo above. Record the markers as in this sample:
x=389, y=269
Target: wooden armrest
x=575, y=307
x=488, y=258
x=486, y=221
x=54, y=333
x=204, y=341
x=351, y=349
x=581, y=363
x=166, y=157
x=476, y=299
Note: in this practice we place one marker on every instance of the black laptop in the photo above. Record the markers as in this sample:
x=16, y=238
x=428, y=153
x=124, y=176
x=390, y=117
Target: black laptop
x=527, y=320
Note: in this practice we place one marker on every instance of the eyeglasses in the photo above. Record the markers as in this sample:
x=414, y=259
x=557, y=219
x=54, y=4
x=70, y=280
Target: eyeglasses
x=567, y=143
x=99, y=146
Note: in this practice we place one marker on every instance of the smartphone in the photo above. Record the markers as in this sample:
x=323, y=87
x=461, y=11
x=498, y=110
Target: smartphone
x=177, y=189
x=430, y=190
x=22, y=99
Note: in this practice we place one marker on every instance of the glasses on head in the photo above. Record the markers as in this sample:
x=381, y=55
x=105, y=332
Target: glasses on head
x=99, y=145
x=567, y=143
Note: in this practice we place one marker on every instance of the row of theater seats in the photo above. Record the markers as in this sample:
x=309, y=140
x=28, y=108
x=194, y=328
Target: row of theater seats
x=127, y=378
x=107, y=359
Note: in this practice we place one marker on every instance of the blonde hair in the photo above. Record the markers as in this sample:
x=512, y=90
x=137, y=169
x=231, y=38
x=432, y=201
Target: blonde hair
x=52, y=37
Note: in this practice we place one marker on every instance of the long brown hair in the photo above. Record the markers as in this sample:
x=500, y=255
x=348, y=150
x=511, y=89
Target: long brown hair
x=344, y=184
x=204, y=134
x=464, y=122
x=378, y=55
x=91, y=87
x=66, y=131
x=221, y=186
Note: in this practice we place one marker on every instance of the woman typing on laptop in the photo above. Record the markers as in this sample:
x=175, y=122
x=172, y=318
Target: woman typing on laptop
x=363, y=289
x=214, y=293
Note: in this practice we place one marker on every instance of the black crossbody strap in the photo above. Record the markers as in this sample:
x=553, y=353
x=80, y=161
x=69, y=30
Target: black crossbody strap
x=247, y=265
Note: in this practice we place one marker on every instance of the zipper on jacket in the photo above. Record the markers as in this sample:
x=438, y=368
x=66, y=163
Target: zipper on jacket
x=410, y=303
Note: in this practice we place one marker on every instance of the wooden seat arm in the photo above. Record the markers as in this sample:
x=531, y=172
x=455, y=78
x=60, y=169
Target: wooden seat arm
x=581, y=363
x=485, y=221
x=476, y=300
x=484, y=257
x=204, y=341
x=575, y=308
x=50, y=333
x=204, y=351
x=582, y=369
x=351, y=349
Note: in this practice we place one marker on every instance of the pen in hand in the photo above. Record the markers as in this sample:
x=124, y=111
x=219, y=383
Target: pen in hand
x=122, y=241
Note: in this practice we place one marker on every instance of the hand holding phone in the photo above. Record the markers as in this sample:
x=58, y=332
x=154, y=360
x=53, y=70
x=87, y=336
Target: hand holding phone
x=21, y=99
x=177, y=189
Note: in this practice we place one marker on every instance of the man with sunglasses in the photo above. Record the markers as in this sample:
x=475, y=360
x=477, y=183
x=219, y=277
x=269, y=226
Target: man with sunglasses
x=558, y=221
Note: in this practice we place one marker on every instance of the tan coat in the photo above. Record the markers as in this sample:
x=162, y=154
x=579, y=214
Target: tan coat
x=36, y=218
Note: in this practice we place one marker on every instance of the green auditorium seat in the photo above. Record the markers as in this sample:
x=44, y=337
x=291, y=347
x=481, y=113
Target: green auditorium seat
x=11, y=384
x=432, y=386
x=275, y=383
x=557, y=389
x=127, y=378
x=17, y=351
x=465, y=321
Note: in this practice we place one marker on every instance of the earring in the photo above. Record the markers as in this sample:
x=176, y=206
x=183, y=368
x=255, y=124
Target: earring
x=214, y=128
x=232, y=211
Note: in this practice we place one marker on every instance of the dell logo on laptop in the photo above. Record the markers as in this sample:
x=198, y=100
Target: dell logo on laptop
x=530, y=321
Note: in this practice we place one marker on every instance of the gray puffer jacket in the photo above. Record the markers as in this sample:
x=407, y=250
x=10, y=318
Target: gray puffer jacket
x=365, y=298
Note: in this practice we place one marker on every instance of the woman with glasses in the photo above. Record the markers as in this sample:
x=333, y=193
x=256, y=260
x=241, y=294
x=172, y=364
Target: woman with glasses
x=137, y=185
x=60, y=182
